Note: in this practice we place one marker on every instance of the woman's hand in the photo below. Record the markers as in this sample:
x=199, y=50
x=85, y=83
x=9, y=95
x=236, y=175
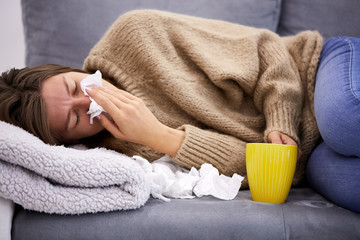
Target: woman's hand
x=133, y=121
x=277, y=137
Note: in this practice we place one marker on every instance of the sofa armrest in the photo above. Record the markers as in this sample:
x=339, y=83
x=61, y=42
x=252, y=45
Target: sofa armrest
x=7, y=212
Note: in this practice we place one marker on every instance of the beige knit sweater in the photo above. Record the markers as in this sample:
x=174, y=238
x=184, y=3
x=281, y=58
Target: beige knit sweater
x=224, y=84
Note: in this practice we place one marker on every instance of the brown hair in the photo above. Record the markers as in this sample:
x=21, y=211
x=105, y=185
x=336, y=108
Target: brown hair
x=21, y=101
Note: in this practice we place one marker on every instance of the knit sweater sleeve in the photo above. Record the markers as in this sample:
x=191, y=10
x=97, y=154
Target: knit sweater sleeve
x=278, y=91
x=224, y=152
x=235, y=59
x=239, y=59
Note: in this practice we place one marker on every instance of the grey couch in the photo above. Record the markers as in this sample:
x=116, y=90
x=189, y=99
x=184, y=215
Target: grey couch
x=63, y=32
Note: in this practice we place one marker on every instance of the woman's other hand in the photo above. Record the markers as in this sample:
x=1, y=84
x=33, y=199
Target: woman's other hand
x=133, y=121
x=277, y=137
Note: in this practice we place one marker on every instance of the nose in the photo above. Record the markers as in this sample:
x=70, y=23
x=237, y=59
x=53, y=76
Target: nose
x=82, y=101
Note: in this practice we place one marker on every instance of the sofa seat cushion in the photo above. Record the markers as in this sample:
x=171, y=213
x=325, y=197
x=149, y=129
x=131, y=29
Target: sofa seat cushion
x=305, y=215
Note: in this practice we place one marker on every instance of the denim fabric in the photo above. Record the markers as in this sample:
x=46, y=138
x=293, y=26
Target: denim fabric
x=337, y=95
x=334, y=167
x=335, y=176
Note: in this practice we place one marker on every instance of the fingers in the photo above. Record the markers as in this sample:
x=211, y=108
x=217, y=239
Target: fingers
x=110, y=100
x=287, y=140
x=280, y=138
x=110, y=126
x=123, y=109
x=110, y=106
x=115, y=94
x=275, y=138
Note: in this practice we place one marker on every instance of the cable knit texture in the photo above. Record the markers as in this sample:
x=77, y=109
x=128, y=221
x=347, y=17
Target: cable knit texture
x=224, y=84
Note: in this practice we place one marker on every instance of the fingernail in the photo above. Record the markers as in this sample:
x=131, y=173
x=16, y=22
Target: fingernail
x=102, y=87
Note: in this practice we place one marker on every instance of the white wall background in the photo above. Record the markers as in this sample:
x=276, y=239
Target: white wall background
x=12, y=54
x=12, y=46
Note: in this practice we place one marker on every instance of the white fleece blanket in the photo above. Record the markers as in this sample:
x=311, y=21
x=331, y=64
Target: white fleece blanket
x=56, y=179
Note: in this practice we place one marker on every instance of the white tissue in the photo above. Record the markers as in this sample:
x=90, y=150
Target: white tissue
x=219, y=186
x=93, y=80
x=169, y=180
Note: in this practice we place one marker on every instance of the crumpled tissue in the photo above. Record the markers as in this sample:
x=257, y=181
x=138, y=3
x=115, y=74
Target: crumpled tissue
x=93, y=80
x=169, y=180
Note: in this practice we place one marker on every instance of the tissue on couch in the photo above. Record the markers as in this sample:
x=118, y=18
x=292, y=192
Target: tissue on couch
x=170, y=180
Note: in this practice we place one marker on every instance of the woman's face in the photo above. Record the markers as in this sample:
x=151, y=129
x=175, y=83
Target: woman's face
x=67, y=107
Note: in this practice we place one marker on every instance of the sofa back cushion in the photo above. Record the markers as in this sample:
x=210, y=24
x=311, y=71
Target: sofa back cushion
x=330, y=17
x=63, y=32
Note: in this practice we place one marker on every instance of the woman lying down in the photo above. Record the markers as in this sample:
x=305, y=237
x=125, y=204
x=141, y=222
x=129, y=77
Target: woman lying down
x=195, y=89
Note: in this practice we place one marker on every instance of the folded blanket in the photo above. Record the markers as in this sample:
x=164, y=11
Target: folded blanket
x=56, y=179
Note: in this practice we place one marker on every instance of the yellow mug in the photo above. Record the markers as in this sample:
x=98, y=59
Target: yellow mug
x=270, y=170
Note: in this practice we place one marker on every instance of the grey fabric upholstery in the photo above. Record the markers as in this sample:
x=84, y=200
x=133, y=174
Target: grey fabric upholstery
x=63, y=32
x=330, y=17
x=305, y=215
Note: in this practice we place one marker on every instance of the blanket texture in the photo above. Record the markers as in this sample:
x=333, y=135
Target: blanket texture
x=56, y=179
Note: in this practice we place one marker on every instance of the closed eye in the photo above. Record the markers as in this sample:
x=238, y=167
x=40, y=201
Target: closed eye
x=75, y=88
x=77, y=118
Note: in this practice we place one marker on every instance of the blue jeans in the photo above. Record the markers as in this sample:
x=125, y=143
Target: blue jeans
x=333, y=169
